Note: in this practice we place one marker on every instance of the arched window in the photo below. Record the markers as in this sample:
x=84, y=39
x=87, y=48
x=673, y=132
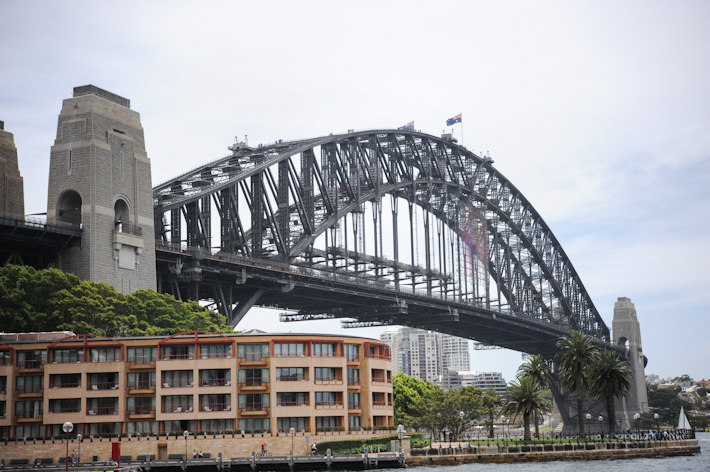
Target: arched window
x=69, y=207
x=121, y=217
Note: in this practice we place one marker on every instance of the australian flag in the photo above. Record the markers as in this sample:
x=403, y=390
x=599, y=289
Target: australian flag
x=455, y=119
x=409, y=125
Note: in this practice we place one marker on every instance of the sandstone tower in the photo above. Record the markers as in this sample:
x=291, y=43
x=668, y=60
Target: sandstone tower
x=99, y=177
x=627, y=332
x=12, y=198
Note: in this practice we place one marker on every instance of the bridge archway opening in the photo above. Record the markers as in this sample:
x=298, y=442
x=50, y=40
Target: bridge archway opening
x=69, y=207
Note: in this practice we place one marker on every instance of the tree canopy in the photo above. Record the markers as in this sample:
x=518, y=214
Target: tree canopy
x=51, y=300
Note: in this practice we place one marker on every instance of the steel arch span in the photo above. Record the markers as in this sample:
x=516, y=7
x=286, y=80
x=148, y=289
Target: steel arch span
x=382, y=227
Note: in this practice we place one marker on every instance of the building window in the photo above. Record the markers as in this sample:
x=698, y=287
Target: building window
x=106, y=355
x=65, y=405
x=353, y=376
x=177, y=403
x=354, y=422
x=102, y=406
x=4, y=357
x=299, y=423
x=179, y=352
x=29, y=431
x=292, y=399
x=30, y=384
x=101, y=429
x=67, y=356
x=255, y=425
x=142, y=355
x=65, y=380
x=177, y=378
x=29, y=409
x=326, y=423
x=354, y=401
x=141, y=380
x=215, y=351
x=103, y=381
x=253, y=352
x=216, y=377
x=291, y=374
x=142, y=427
x=253, y=377
x=323, y=350
x=289, y=349
x=3, y=384
x=31, y=359
x=140, y=405
x=352, y=352
x=216, y=425
x=327, y=399
x=253, y=401
x=326, y=374
x=179, y=426
x=215, y=402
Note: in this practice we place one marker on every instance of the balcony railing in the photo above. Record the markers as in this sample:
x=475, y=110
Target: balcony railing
x=68, y=360
x=292, y=403
x=215, y=382
x=329, y=405
x=100, y=360
x=353, y=380
x=292, y=378
x=65, y=385
x=380, y=381
x=323, y=354
x=65, y=409
x=30, y=364
x=29, y=414
x=354, y=405
x=352, y=357
x=179, y=408
x=29, y=390
x=128, y=228
x=104, y=410
x=254, y=356
x=102, y=386
x=253, y=381
x=253, y=406
x=328, y=380
x=290, y=354
x=178, y=357
x=142, y=360
x=141, y=410
x=381, y=405
x=215, y=355
x=141, y=385
x=178, y=383
x=215, y=407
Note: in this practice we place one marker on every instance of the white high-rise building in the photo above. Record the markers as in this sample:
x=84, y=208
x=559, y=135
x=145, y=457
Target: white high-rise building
x=425, y=354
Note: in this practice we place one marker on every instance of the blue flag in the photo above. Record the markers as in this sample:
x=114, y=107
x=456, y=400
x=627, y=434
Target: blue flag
x=409, y=125
x=455, y=119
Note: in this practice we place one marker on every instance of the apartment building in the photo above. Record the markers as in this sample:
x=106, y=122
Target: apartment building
x=195, y=381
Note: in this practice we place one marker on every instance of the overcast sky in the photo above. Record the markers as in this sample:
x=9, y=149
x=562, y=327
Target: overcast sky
x=598, y=111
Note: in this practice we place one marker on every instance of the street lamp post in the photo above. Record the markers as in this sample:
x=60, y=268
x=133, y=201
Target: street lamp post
x=589, y=417
x=655, y=416
x=292, y=431
x=185, y=434
x=67, y=427
x=636, y=417
x=461, y=415
x=502, y=422
x=438, y=425
x=79, y=437
x=601, y=418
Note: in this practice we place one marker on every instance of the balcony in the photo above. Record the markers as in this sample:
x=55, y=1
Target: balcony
x=24, y=392
x=182, y=408
x=216, y=407
x=292, y=378
x=103, y=410
x=327, y=380
x=32, y=416
x=352, y=358
x=179, y=383
x=215, y=383
x=65, y=409
x=254, y=358
x=142, y=362
x=254, y=409
x=30, y=364
x=354, y=405
x=179, y=357
x=381, y=405
x=381, y=381
x=66, y=385
x=292, y=404
x=353, y=381
x=102, y=386
x=141, y=385
x=330, y=405
x=141, y=412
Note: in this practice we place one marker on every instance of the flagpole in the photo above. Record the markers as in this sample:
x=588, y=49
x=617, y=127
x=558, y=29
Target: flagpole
x=461, y=129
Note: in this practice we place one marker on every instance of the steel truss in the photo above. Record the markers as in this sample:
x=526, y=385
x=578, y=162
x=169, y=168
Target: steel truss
x=317, y=227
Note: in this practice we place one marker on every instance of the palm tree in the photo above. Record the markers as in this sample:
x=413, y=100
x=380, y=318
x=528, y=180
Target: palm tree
x=524, y=398
x=575, y=357
x=609, y=378
x=539, y=371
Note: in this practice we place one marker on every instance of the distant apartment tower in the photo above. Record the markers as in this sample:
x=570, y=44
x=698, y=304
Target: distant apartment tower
x=426, y=354
x=484, y=381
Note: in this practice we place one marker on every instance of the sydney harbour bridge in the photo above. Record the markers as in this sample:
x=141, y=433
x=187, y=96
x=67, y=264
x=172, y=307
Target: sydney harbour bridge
x=380, y=227
x=375, y=227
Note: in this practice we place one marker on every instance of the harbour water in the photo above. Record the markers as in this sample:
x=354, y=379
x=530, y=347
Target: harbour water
x=698, y=462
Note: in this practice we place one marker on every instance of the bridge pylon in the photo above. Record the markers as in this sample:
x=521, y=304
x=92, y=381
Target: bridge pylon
x=627, y=333
x=99, y=178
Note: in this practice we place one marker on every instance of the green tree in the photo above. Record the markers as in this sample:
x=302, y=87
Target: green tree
x=575, y=357
x=407, y=391
x=540, y=372
x=491, y=408
x=610, y=378
x=524, y=398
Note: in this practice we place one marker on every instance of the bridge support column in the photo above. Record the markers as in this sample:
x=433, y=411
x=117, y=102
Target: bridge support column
x=99, y=177
x=627, y=332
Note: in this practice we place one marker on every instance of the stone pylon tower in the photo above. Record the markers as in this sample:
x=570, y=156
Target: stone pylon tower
x=99, y=177
x=12, y=196
x=627, y=332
